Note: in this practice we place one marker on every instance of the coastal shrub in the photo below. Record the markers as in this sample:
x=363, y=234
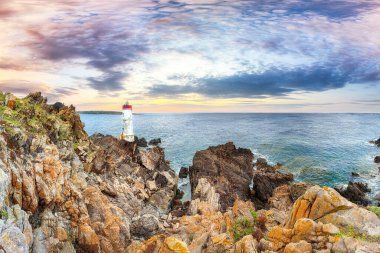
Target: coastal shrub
x=375, y=209
x=244, y=226
x=4, y=214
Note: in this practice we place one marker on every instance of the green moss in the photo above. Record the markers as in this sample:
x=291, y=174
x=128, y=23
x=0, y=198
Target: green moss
x=354, y=233
x=375, y=209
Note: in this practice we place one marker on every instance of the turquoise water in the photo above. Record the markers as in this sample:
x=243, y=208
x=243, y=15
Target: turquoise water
x=318, y=148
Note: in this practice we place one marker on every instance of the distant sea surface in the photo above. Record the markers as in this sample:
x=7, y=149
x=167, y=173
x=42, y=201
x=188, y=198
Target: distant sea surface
x=318, y=148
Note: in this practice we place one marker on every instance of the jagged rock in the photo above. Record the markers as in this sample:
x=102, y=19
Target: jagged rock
x=15, y=230
x=205, y=198
x=227, y=168
x=281, y=198
x=141, y=142
x=183, y=172
x=356, y=192
x=377, y=159
x=155, y=142
x=246, y=245
x=58, y=106
x=266, y=178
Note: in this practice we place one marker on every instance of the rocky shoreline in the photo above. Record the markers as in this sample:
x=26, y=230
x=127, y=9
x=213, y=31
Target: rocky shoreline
x=64, y=191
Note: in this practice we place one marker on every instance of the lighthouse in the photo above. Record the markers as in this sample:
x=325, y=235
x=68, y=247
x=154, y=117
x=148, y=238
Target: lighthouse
x=127, y=133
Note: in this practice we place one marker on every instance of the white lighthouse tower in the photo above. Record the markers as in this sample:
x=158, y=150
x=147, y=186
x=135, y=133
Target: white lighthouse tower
x=127, y=133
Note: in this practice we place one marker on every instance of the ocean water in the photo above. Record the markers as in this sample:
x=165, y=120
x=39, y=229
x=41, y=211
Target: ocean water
x=318, y=148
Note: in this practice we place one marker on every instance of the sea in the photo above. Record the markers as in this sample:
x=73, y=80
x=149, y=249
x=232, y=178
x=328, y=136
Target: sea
x=321, y=149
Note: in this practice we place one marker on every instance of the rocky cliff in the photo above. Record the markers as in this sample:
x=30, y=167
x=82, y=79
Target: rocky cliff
x=63, y=191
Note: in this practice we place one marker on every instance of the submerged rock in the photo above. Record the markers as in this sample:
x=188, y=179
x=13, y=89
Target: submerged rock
x=355, y=174
x=225, y=168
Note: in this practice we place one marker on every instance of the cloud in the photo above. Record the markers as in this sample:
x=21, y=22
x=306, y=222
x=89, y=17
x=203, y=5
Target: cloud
x=5, y=11
x=103, y=48
x=111, y=81
x=274, y=81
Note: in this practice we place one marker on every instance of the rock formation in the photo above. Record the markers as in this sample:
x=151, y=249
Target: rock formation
x=266, y=178
x=355, y=192
x=226, y=169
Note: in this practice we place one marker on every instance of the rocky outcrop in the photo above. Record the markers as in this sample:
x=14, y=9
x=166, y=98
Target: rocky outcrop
x=377, y=159
x=266, y=178
x=355, y=192
x=155, y=142
x=227, y=169
x=328, y=206
x=81, y=194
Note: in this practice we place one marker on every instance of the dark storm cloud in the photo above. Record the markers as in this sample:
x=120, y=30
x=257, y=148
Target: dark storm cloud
x=273, y=82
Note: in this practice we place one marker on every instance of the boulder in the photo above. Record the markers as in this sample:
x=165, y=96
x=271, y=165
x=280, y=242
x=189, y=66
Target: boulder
x=227, y=169
x=298, y=247
x=377, y=159
x=328, y=206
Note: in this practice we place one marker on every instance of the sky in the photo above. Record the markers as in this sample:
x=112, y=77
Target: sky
x=194, y=55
